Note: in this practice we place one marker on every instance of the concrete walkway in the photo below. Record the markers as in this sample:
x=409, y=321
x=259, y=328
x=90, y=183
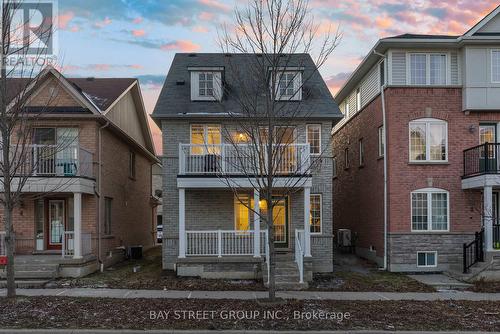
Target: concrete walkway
x=248, y=295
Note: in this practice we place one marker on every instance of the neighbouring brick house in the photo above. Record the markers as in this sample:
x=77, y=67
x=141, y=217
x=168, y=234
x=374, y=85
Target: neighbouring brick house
x=440, y=100
x=207, y=231
x=89, y=194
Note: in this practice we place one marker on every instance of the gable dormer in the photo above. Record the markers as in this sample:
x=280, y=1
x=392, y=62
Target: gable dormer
x=206, y=83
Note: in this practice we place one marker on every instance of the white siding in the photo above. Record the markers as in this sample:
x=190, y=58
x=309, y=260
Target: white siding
x=370, y=86
x=455, y=70
x=399, y=68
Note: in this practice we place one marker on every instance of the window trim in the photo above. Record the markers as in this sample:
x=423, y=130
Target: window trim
x=427, y=122
x=426, y=265
x=205, y=136
x=381, y=141
x=297, y=85
x=430, y=191
x=195, y=84
x=491, y=64
x=320, y=214
x=237, y=202
x=307, y=138
x=428, y=68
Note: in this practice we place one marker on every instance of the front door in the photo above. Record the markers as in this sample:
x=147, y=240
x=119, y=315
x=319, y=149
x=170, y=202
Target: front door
x=56, y=219
x=487, y=134
x=280, y=222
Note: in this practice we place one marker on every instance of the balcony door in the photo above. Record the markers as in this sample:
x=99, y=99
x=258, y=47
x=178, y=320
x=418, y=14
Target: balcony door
x=487, y=134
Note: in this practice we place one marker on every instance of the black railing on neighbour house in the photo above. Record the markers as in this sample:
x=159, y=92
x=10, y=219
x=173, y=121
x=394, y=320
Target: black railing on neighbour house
x=473, y=252
x=481, y=159
x=496, y=236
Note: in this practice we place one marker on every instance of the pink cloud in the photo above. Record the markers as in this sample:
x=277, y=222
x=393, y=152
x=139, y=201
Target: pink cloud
x=138, y=32
x=336, y=81
x=103, y=23
x=64, y=19
x=214, y=4
x=137, y=20
x=206, y=16
x=181, y=45
x=136, y=66
x=75, y=28
x=200, y=29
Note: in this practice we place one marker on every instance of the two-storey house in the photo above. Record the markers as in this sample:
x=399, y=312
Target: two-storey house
x=207, y=232
x=416, y=169
x=88, y=192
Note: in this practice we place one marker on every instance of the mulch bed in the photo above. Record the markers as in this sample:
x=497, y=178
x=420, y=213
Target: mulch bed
x=485, y=286
x=64, y=312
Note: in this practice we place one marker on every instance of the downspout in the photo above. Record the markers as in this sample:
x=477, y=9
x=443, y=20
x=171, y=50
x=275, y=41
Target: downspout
x=382, y=96
x=99, y=192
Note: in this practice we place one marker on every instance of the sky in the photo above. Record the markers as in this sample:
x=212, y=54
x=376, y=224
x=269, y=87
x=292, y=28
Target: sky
x=139, y=38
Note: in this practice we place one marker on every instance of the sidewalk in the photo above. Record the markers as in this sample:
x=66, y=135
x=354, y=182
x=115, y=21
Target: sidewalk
x=247, y=295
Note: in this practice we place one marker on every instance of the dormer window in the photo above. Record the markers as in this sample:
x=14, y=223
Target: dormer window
x=289, y=85
x=206, y=84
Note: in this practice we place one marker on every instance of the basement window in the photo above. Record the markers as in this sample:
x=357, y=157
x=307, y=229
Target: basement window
x=427, y=259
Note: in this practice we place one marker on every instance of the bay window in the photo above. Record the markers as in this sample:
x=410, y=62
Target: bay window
x=430, y=210
x=428, y=140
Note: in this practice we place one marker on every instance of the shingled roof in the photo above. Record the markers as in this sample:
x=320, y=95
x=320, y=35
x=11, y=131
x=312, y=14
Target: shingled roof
x=175, y=98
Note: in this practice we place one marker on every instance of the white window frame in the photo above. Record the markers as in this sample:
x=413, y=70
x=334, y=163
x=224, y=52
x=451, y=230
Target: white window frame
x=195, y=85
x=205, y=136
x=491, y=64
x=427, y=122
x=320, y=214
x=250, y=220
x=297, y=86
x=381, y=140
x=428, y=68
x=358, y=99
x=429, y=192
x=307, y=137
x=426, y=265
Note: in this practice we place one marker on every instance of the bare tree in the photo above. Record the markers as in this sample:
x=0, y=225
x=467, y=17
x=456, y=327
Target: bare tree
x=277, y=37
x=23, y=59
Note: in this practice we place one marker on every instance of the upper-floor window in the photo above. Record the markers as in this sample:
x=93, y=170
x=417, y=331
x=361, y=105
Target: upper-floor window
x=428, y=140
x=358, y=99
x=495, y=66
x=313, y=135
x=289, y=85
x=131, y=164
x=206, y=85
x=205, y=139
x=381, y=141
x=315, y=213
x=429, y=210
x=427, y=69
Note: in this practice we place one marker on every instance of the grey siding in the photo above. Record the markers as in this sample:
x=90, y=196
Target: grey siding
x=370, y=86
x=399, y=68
x=455, y=69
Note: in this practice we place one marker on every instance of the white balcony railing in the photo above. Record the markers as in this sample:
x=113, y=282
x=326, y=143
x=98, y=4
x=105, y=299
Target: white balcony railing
x=223, y=243
x=68, y=244
x=52, y=160
x=242, y=159
x=299, y=253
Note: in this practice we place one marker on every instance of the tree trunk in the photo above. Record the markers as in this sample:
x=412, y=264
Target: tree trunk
x=272, y=262
x=10, y=244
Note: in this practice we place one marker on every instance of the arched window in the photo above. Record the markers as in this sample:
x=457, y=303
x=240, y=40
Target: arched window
x=430, y=210
x=428, y=140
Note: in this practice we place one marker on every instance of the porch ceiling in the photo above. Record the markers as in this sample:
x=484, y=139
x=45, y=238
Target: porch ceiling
x=481, y=181
x=55, y=184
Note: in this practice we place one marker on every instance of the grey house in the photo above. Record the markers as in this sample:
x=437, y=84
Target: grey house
x=207, y=232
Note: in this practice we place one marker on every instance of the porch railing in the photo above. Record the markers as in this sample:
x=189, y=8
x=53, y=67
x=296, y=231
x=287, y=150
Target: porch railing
x=481, y=159
x=473, y=252
x=3, y=250
x=68, y=244
x=242, y=159
x=496, y=236
x=222, y=243
x=299, y=253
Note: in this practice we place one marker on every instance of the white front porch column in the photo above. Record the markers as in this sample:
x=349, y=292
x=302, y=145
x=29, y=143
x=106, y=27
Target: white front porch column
x=256, y=224
x=307, y=225
x=182, y=223
x=77, y=236
x=488, y=217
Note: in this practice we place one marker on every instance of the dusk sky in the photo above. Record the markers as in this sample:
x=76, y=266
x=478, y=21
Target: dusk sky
x=138, y=38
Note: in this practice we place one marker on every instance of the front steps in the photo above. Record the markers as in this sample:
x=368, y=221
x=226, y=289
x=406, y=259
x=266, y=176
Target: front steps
x=488, y=270
x=33, y=268
x=287, y=273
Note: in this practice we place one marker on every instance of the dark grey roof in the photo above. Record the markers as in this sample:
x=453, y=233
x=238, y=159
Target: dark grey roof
x=421, y=36
x=175, y=99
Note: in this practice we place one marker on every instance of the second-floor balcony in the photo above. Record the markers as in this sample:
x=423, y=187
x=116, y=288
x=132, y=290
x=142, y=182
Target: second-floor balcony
x=52, y=161
x=243, y=159
x=481, y=160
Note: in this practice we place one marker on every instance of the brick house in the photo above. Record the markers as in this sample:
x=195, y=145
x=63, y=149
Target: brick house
x=89, y=191
x=207, y=231
x=415, y=111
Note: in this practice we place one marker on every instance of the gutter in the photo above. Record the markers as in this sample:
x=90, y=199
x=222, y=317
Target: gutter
x=384, y=123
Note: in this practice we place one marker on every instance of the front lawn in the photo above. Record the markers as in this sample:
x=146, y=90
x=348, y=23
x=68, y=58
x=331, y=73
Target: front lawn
x=486, y=286
x=106, y=313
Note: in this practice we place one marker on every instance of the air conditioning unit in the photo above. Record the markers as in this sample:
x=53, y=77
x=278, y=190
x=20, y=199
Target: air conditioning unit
x=344, y=237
